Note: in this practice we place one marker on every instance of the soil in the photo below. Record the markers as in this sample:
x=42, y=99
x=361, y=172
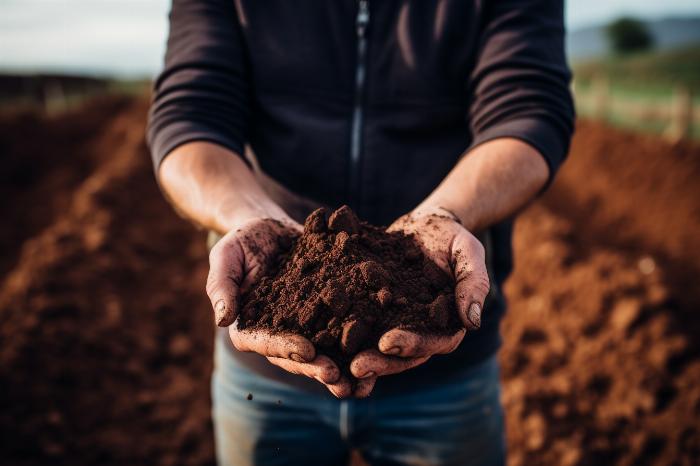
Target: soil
x=100, y=361
x=345, y=282
x=106, y=333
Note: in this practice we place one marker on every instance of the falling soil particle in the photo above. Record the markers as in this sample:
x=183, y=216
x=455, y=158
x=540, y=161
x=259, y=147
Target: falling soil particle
x=345, y=282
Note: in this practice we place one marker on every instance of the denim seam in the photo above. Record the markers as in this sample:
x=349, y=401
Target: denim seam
x=344, y=420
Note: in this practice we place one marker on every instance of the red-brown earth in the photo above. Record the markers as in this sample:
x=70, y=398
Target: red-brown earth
x=106, y=333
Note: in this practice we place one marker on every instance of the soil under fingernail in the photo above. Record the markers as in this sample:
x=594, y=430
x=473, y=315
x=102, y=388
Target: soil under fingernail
x=344, y=283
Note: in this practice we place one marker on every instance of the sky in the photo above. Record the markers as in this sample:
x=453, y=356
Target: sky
x=127, y=37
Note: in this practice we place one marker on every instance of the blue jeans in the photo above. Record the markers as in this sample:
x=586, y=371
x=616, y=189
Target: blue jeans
x=460, y=423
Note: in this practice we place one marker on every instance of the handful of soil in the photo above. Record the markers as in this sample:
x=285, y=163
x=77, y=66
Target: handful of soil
x=344, y=283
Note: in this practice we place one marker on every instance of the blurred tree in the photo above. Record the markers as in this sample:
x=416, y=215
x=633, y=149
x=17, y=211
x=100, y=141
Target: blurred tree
x=629, y=35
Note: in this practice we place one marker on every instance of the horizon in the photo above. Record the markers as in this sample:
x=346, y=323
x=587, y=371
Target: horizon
x=41, y=36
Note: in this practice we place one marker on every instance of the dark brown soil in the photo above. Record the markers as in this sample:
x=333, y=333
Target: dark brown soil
x=106, y=333
x=345, y=282
x=99, y=362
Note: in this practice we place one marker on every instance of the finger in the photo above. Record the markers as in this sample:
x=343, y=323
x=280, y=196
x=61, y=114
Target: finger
x=276, y=345
x=322, y=368
x=472, y=279
x=404, y=343
x=371, y=363
x=364, y=387
x=341, y=389
x=225, y=275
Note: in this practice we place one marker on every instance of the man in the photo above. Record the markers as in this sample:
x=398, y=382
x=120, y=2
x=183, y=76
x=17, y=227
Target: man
x=456, y=112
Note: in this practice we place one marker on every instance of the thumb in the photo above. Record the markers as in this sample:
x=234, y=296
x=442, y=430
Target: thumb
x=472, y=279
x=225, y=276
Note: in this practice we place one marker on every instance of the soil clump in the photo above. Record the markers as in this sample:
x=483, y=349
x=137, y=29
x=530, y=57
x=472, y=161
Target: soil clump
x=346, y=282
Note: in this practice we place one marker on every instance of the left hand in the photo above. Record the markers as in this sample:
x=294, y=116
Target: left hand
x=458, y=252
x=237, y=261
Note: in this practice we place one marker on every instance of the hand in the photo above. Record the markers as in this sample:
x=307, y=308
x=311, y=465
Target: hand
x=455, y=250
x=236, y=262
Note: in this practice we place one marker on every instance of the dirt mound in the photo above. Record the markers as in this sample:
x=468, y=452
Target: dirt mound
x=44, y=159
x=601, y=360
x=102, y=363
x=345, y=282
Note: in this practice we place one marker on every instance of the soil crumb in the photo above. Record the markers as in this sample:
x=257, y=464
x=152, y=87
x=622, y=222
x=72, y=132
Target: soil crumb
x=345, y=282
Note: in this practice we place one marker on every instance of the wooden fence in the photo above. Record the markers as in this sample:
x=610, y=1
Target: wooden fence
x=676, y=116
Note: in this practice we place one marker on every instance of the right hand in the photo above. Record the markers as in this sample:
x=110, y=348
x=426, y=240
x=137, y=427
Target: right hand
x=236, y=262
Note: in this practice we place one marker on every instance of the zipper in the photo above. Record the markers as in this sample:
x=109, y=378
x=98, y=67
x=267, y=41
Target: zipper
x=361, y=24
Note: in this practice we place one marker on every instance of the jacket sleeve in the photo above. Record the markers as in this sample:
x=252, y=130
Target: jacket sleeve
x=520, y=83
x=203, y=91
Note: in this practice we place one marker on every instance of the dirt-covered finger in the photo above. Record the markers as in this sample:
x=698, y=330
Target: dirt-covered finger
x=276, y=345
x=472, y=279
x=322, y=368
x=371, y=363
x=341, y=389
x=404, y=343
x=224, y=279
x=364, y=387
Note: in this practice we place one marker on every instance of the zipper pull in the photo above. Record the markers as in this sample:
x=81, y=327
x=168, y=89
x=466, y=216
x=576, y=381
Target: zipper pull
x=362, y=17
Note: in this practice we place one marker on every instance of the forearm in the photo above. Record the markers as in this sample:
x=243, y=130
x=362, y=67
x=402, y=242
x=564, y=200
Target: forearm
x=213, y=187
x=492, y=182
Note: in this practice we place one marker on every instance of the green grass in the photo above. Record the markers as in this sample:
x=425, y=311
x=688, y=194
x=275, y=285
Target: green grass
x=652, y=73
x=649, y=78
x=129, y=86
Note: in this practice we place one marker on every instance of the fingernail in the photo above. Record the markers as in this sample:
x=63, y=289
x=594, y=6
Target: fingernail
x=219, y=311
x=296, y=357
x=367, y=375
x=474, y=314
x=393, y=350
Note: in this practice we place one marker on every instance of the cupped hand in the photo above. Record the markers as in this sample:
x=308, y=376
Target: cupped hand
x=236, y=262
x=454, y=249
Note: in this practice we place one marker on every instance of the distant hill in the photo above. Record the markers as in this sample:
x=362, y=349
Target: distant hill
x=668, y=33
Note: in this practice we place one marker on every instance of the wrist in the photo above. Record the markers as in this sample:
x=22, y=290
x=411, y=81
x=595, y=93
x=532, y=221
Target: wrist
x=234, y=213
x=435, y=210
x=443, y=208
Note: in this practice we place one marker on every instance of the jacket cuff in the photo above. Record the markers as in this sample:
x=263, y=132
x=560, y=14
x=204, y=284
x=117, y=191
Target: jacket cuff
x=551, y=142
x=176, y=134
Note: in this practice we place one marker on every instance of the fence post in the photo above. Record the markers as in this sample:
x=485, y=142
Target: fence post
x=54, y=97
x=601, y=94
x=681, y=115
